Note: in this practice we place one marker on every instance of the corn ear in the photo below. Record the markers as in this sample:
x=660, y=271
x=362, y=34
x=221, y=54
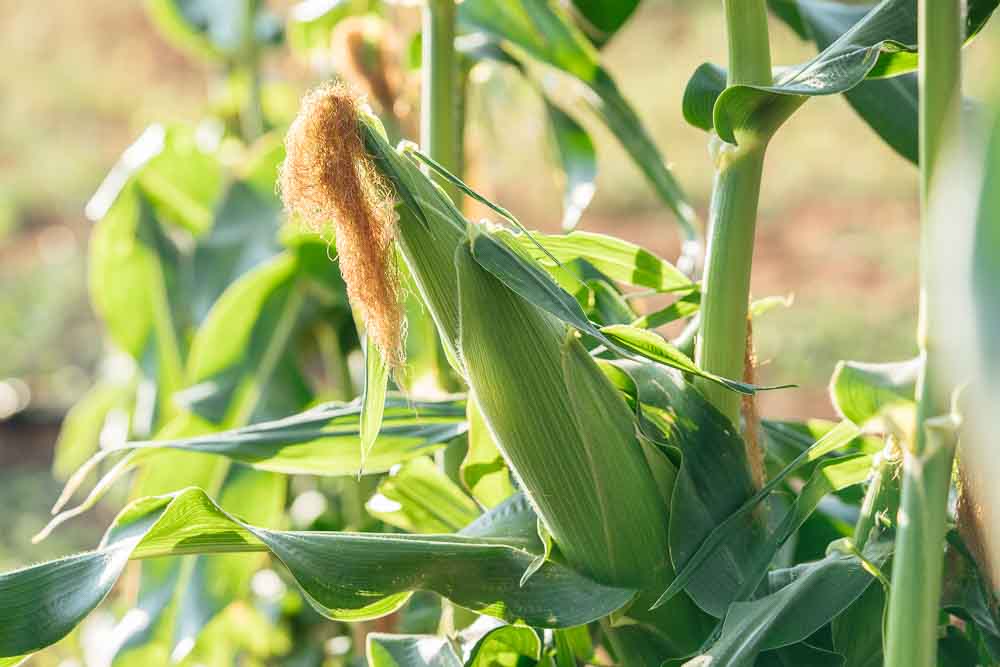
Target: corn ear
x=565, y=430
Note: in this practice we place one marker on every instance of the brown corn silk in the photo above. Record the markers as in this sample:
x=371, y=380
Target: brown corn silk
x=326, y=177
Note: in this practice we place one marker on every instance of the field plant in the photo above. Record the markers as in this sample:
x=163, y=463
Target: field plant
x=361, y=426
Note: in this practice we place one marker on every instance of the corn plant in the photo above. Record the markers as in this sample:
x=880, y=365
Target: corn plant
x=590, y=491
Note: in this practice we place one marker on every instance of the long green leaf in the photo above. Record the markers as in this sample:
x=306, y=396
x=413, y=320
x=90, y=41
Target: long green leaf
x=620, y=260
x=375, y=573
x=542, y=30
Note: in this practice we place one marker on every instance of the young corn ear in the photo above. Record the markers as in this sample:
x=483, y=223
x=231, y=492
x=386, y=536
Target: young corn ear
x=567, y=433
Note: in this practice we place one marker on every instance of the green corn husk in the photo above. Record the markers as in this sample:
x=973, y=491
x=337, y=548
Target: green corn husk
x=565, y=430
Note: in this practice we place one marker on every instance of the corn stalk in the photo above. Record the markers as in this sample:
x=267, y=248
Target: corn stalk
x=721, y=346
x=439, y=117
x=916, y=589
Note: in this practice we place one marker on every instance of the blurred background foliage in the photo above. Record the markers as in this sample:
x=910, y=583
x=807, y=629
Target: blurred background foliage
x=82, y=80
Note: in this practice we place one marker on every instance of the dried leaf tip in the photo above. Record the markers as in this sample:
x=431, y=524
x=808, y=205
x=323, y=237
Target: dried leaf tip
x=327, y=177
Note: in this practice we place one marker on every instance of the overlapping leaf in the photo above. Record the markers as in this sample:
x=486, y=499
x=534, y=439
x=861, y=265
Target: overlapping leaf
x=802, y=600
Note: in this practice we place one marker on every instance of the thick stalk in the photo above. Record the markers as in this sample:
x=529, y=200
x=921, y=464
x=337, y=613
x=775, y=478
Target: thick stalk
x=726, y=289
x=439, y=105
x=721, y=344
x=916, y=582
x=442, y=115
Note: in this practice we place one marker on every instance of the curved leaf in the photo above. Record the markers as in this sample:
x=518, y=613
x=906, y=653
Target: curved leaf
x=375, y=573
x=483, y=644
x=527, y=280
x=861, y=391
x=873, y=42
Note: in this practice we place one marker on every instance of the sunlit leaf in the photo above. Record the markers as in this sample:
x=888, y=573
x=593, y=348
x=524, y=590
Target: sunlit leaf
x=420, y=498
x=376, y=573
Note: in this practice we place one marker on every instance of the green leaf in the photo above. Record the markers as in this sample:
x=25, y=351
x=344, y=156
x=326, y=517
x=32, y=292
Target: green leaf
x=803, y=599
x=134, y=286
x=384, y=650
x=176, y=168
x=183, y=180
x=609, y=306
x=682, y=308
x=578, y=161
x=829, y=476
x=324, y=440
x=243, y=344
x=536, y=287
x=862, y=391
x=543, y=31
x=575, y=644
x=857, y=633
x=712, y=482
x=733, y=524
x=600, y=20
x=652, y=346
x=484, y=472
x=376, y=573
x=419, y=498
x=242, y=236
x=503, y=645
x=857, y=44
x=372, y=399
x=889, y=106
x=620, y=260
x=485, y=643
